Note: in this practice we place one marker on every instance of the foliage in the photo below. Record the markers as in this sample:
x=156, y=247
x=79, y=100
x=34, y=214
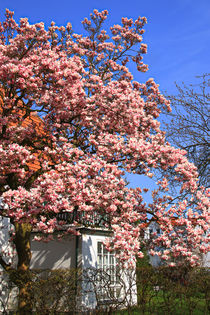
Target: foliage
x=55, y=291
x=165, y=291
x=173, y=291
x=144, y=261
x=52, y=292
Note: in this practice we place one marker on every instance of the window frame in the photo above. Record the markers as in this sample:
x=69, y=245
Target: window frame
x=109, y=286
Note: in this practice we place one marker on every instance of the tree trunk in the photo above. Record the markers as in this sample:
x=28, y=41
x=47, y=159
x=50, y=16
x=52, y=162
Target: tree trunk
x=23, y=276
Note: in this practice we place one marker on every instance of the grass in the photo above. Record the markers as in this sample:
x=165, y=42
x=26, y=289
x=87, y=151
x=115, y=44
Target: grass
x=161, y=304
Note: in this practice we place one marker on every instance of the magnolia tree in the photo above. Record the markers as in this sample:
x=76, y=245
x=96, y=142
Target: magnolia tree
x=73, y=122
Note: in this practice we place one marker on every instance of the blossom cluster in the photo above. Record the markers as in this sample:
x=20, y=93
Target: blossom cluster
x=72, y=120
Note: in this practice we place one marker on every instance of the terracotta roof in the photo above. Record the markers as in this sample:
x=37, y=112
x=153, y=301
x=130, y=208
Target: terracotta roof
x=37, y=123
x=34, y=119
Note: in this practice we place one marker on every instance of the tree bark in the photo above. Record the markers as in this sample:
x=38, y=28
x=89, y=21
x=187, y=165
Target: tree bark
x=23, y=276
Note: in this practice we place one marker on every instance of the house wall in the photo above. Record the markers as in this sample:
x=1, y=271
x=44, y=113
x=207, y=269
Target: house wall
x=88, y=260
x=5, y=247
x=206, y=260
x=54, y=254
x=155, y=260
x=89, y=249
x=89, y=244
x=7, y=292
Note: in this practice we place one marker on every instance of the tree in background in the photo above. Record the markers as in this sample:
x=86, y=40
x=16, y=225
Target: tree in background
x=72, y=121
x=189, y=126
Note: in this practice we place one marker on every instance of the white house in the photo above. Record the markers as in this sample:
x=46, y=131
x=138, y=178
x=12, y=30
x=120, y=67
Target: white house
x=87, y=252
x=153, y=227
x=155, y=261
x=5, y=286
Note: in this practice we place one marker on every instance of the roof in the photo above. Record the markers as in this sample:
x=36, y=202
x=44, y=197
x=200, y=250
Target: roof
x=32, y=120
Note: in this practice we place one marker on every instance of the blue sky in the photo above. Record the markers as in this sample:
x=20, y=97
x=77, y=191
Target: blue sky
x=177, y=33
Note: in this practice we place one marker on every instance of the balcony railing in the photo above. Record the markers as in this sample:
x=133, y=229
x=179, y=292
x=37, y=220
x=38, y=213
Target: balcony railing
x=88, y=220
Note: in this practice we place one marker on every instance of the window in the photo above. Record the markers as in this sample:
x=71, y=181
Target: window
x=108, y=277
x=158, y=231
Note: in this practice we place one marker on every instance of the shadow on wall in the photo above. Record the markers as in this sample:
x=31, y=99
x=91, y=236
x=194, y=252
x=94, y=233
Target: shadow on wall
x=6, y=250
x=54, y=254
x=88, y=253
x=89, y=259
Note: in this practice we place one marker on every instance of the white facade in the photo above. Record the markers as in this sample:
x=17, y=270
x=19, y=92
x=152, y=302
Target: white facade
x=119, y=285
x=153, y=227
x=155, y=260
x=54, y=254
x=83, y=252
x=206, y=260
x=7, y=290
x=86, y=252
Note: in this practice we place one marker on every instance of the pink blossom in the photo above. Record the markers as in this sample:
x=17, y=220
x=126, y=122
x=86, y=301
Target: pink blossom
x=72, y=123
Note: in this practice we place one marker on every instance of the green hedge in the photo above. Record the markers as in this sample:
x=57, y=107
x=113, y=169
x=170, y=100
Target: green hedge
x=159, y=291
x=173, y=291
